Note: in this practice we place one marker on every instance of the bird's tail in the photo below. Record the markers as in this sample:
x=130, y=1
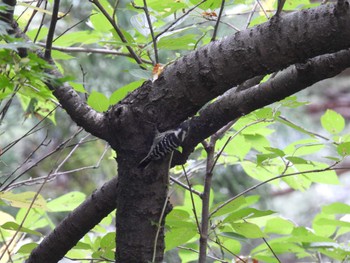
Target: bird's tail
x=143, y=164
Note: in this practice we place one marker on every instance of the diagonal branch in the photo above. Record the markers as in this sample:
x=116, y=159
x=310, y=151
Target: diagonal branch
x=234, y=104
x=202, y=75
x=76, y=225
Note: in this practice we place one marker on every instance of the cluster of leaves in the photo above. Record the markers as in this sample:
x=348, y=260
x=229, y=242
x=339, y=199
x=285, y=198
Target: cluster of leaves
x=235, y=222
x=24, y=78
x=34, y=214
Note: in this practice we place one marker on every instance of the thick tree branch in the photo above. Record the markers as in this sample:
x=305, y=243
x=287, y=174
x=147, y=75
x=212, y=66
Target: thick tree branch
x=76, y=225
x=195, y=79
x=82, y=114
x=235, y=104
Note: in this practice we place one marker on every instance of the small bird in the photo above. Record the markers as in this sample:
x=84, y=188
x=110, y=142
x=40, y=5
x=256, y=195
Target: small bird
x=164, y=143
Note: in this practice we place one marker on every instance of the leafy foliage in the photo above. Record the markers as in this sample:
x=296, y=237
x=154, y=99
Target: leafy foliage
x=237, y=224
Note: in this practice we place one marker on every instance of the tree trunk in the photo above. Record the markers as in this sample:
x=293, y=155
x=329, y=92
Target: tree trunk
x=141, y=193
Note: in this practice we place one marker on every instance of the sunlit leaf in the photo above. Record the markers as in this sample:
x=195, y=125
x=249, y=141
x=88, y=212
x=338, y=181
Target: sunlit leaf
x=248, y=230
x=16, y=227
x=230, y=207
x=179, y=235
x=279, y=226
x=182, y=42
x=25, y=199
x=98, y=101
x=303, y=147
x=336, y=208
x=332, y=122
x=344, y=149
x=66, y=202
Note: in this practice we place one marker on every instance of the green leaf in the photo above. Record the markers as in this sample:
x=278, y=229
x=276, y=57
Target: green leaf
x=121, y=93
x=79, y=87
x=261, y=173
x=85, y=37
x=257, y=141
x=209, y=4
x=292, y=102
x=336, y=208
x=297, y=160
x=248, y=230
x=98, y=101
x=177, y=217
x=188, y=206
x=344, y=149
x=100, y=23
x=323, y=229
x=108, y=240
x=303, y=147
x=230, y=207
x=185, y=42
x=325, y=177
x=294, y=126
x=301, y=234
x=27, y=248
x=140, y=74
x=237, y=147
x=24, y=199
x=16, y=227
x=35, y=219
x=179, y=235
x=164, y=7
x=42, y=34
x=279, y=226
x=332, y=122
x=246, y=213
x=66, y=202
x=333, y=222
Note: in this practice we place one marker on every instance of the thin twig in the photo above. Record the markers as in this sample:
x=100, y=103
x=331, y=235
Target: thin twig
x=203, y=240
x=35, y=11
x=273, y=252
x=148, y=17
x=24, y=218
x=59, y=147
x=71, y=27
x=162, y=213
x=32, y=130
x=229, y=251
x=26, y=160
x=185, y=186
x=263, y=9
x=39, y=180
x=218, y=20
x=117, y=30
x=177, y=20
x=269, y=180
x=192, y=200
x=251, y=14
x=209, y=256
x=52, y=29
x=302, y=128
x=41, y=23
x=94, y=50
